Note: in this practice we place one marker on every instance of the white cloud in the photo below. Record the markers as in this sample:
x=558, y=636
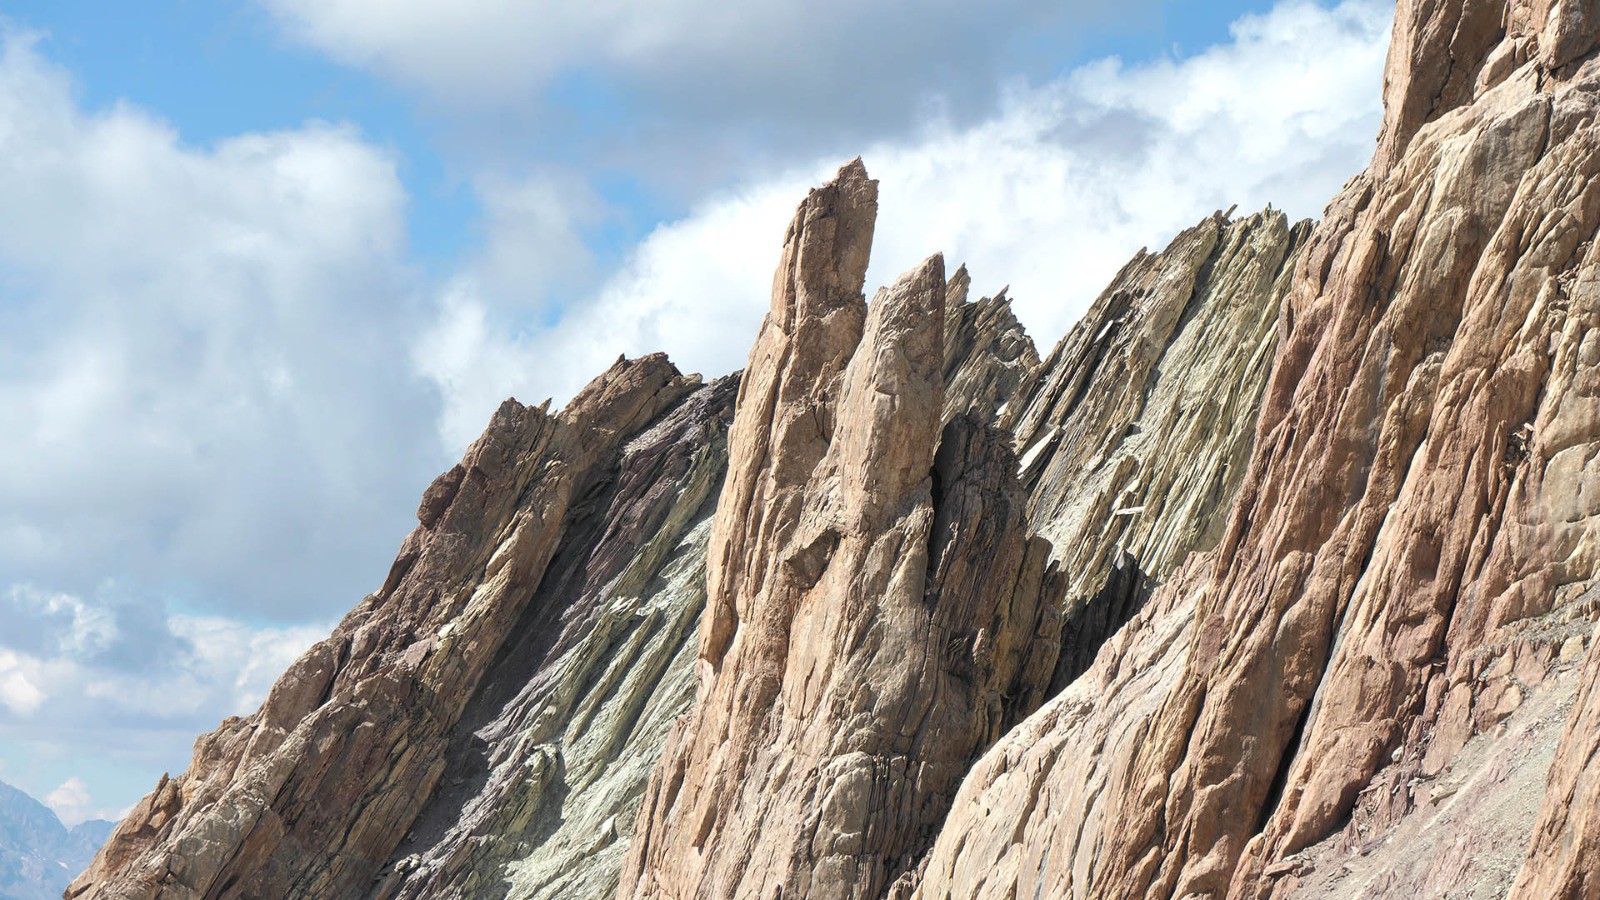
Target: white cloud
x=19, y=691
x=73, y=803
x=1052, y=195
x=105, y=682
x=240, y=663
x=206, y=387
x=490, y=51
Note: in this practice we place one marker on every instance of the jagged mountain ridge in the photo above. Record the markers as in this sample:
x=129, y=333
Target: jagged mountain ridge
x=1406, y=565
x=1290, y=540
x=521, y=801
x=38, y=854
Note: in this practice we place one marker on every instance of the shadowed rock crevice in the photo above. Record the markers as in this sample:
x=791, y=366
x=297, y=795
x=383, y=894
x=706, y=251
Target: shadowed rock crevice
x=1090, y=624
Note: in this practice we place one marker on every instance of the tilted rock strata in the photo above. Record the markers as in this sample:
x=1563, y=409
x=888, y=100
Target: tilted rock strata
x=1380, y=679
x=1135, y=433
x=877, y=611
x=987, y=353
x=1147, y=405
x=1403, y=559
x=309, y=796
x=550, y=758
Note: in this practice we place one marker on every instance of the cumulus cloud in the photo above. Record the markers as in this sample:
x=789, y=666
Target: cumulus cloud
x=74, y=804
x=84, y=679
x=207, y=388
x=1051, y=194
x=833, y=62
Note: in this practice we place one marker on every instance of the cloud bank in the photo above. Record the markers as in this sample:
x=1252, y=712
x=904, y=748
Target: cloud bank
x=1051, y=195
x=214, y=435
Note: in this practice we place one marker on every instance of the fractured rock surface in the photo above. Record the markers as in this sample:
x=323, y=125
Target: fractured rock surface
x=311, y=795
x=550, y=758
x=1277, y=578
x=1403, y=565
x=878, y=609
x=1135, y=433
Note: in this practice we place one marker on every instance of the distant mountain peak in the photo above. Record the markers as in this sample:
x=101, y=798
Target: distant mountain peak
x=39, y=855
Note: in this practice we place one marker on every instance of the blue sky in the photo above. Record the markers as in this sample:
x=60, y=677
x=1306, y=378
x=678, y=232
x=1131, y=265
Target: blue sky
x=222, y=68
x=267, y=266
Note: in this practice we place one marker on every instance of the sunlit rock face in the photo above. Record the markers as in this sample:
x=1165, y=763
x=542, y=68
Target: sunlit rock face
x=486, y=724
x=393, y=716
x=1404, y=570
x=879, y=609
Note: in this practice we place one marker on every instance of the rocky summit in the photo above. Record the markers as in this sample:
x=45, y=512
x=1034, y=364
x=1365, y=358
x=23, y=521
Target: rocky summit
x=1276, y=578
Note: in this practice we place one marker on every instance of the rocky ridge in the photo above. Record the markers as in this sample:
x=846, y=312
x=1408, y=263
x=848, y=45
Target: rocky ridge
x=1407, y=561
x=878, y=608
x=38, y=854
x=532, y=790
x=1276, y=578
x=312, y=794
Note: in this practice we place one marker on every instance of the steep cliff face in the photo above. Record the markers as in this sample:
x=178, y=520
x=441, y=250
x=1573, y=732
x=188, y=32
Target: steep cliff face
x=928, y=588
x=544, y=774
x=878, y=608
x=1135, y=432
x=1275, y=579
x=1405, y=565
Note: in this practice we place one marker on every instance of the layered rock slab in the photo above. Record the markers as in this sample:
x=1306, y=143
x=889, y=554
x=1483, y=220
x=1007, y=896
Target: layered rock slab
x=878, y=608
x=1135, y=433
x=550, y=758
x=1403, y=566
x=310, y=795
x=1134, y=436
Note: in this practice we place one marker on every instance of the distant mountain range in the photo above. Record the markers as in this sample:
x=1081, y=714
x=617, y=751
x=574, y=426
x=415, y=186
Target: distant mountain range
x=38, y=854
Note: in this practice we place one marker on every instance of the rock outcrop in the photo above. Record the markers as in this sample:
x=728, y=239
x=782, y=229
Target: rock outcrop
x=987, y=353
x=532, y=791
x=878, y=610
x=1135, y=433
x=312, y=795
x=1404, y=566
x=548, y=761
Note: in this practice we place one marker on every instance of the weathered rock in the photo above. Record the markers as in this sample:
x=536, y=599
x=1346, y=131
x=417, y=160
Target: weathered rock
x=878, y=612
x=1136, y=431
x=311, y=795
x=987, y=352
x=1564, y=859
x=1404, y=552
x=550, y=758
x=1380, y=435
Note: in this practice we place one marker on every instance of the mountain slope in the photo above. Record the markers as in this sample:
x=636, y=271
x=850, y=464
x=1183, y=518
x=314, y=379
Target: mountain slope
x=1407, y=562
x=39, y=855
x=531, y=790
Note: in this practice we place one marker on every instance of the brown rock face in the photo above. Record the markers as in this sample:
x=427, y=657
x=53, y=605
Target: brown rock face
x=548, y=761
x=1400, y=570
x=1564, y=860
x=878, y=610
x=310, y=796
